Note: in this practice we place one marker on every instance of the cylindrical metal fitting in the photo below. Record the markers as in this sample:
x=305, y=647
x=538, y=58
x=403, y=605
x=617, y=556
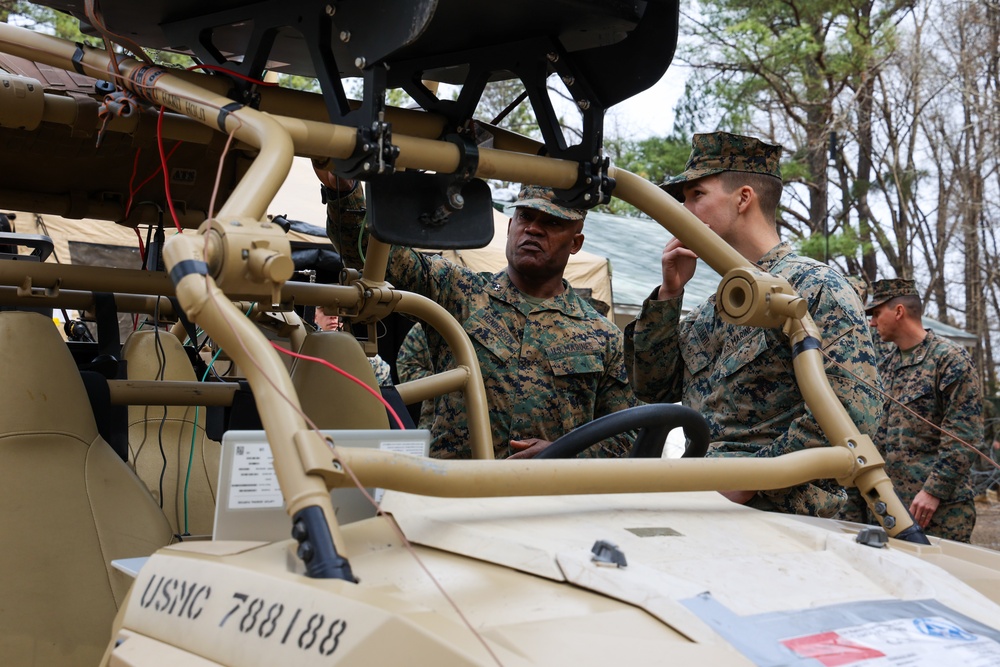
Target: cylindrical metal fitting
x=22, y=102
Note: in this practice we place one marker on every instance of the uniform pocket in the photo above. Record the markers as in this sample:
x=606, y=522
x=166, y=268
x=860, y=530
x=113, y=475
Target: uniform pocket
x=696, y=348
x=919, y=391
x=910, y=435
x=576, y=375
x=756, y=383
x=575, y=363
x=741, y=351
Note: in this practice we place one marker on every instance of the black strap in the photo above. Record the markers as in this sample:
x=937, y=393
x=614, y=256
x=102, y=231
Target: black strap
x=188, y=325
x=224, y=113
x=392, y=397
x=808, y=343
x=78, y=59
x=182, y=269
x=241, y=415
x=112, y=420
x=109, y=340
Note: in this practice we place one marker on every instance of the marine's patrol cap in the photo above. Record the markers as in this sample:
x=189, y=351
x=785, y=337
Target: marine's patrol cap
x=716, y=152
x=540, y=199
x=860, y=286
x=884, y=290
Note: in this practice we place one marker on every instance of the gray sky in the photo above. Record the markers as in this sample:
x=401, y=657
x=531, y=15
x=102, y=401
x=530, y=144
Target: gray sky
x=651, y=112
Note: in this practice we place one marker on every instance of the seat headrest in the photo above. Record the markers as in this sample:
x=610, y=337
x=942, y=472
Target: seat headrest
x=44, y=391
x=144, y=356
x=331, y=400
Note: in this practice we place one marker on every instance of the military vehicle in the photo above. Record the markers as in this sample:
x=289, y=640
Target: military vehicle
x=559, y=561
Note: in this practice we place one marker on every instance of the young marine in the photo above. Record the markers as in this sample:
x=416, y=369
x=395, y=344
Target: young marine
x=741, y=378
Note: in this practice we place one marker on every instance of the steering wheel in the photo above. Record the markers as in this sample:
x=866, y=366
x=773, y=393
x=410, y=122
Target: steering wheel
x=654, y=422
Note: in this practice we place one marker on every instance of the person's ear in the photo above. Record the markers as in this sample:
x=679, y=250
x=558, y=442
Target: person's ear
x=577, y=243
x=746, y=197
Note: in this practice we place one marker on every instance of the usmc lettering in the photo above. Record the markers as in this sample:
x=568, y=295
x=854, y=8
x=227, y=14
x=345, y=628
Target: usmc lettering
x=175, y=597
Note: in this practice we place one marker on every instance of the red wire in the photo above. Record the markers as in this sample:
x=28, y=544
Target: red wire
x=361, y=383
x=166, y=172
x=133, y=193
x=131, y=181
x=142, y=247
x=229, y=72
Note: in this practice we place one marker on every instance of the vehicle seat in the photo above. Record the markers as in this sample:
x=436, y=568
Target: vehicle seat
x=327, y=397
x=68, y=506
x=148, y=428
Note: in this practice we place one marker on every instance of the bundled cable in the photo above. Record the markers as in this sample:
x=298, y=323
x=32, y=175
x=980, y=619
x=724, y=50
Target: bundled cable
x=121, y=104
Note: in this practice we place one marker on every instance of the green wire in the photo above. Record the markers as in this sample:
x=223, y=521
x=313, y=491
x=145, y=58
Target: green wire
x=194, y=435
x=194, y=431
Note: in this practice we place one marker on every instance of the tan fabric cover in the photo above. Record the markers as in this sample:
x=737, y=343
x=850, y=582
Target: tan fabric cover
x=144, y=436
x=70, y=506
x=328, y=398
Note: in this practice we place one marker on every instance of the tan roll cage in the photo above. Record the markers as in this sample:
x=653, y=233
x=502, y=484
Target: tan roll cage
x=250, y=265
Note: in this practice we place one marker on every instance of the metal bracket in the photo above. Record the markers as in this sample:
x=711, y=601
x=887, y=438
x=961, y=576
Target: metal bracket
x=374, y=154
x=376, y=302
x=593, y=186
x=468, y=164
x=27, y=289
x=468, y=158
x=606, y=553
x=875, y=537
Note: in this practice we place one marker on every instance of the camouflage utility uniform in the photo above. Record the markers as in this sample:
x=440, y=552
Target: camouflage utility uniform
x=383, y=373
x=414, y=361
x=935, y=379
x=741, y=379
x=548, y=367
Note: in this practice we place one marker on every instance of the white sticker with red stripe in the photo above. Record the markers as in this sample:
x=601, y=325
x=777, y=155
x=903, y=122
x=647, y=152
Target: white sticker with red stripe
x=913, y=642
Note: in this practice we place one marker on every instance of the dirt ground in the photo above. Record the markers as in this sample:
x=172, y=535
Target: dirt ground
x=987, y=530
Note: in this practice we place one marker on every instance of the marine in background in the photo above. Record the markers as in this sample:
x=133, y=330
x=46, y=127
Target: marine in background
x=326, y=322
x=941, y=400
